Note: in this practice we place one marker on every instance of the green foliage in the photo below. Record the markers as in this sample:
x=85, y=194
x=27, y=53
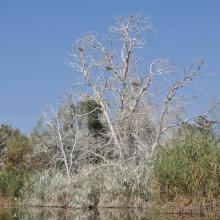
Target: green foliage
x=191, y=168
x=93, y=109
x=6, y=134
x=15, y=158
x=11, y=184
x=15, y=149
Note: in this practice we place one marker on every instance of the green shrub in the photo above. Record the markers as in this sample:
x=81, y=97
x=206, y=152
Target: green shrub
x=16, y=155
x=11, y=184
x=191, y=168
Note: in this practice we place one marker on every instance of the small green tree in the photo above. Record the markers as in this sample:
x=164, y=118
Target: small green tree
x=6, y=135
x=17, y=152
x=14, y=148
x=93, y=112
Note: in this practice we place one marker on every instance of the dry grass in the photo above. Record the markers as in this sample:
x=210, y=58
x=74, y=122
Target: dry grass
x=95, y=186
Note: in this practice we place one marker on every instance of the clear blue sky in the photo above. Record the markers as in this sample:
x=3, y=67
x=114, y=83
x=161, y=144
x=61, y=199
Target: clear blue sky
x=35, y=38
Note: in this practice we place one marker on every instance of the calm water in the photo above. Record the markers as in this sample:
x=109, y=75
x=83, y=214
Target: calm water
x=106, y=214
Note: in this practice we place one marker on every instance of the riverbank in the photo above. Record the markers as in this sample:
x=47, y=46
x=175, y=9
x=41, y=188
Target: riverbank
x=101, y=214
x=173, y=208
x=183, y=179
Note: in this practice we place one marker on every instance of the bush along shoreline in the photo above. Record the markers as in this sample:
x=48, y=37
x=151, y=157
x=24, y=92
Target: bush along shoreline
x=183, y=178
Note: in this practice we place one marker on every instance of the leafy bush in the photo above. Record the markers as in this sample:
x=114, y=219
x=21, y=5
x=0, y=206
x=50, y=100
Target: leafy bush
x=11, y=184
x=191, y=168
x=16, y=153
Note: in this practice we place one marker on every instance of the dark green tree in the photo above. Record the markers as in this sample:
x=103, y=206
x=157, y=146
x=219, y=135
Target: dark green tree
x=92, y=111
x=15, y=152
x=6, y=134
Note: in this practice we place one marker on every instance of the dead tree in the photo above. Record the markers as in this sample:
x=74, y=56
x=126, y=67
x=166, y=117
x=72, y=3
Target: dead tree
x=113, y=75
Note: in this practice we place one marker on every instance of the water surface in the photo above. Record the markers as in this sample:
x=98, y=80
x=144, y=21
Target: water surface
x=103, y=214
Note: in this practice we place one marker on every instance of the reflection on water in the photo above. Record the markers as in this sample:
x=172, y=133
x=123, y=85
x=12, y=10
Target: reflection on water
x=103, y=214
